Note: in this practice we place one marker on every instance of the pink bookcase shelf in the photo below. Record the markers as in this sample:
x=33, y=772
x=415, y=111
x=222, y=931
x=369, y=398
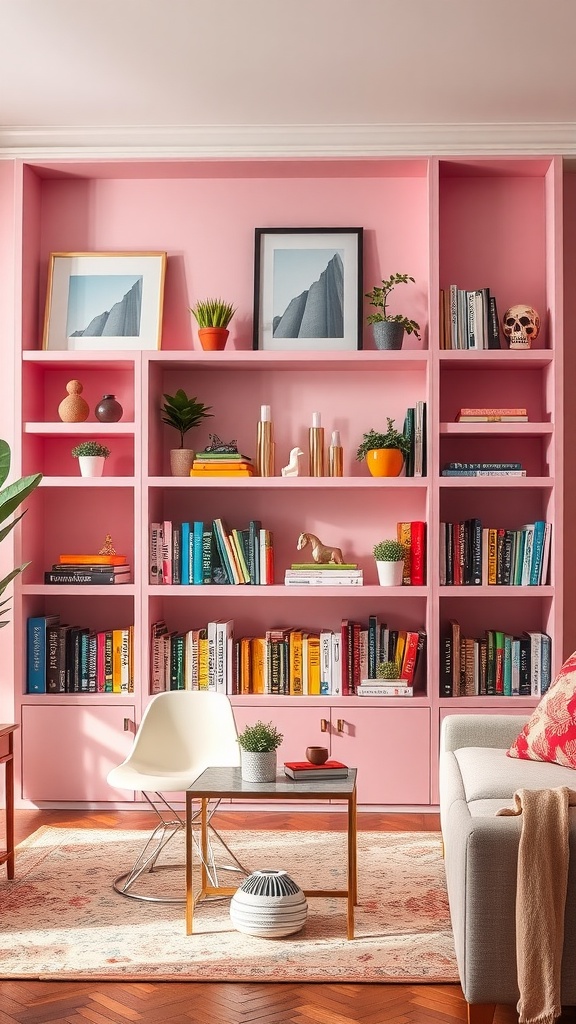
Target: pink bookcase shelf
x=445, y=221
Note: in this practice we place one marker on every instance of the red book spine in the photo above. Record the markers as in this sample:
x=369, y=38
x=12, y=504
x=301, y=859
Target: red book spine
x=344, y=658
x=418, y=553
x=409, y=660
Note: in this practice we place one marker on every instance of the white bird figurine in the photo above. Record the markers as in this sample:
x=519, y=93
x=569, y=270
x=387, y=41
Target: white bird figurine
x=292, y=469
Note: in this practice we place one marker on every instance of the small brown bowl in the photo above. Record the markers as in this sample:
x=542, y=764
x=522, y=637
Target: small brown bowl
x=317, y=755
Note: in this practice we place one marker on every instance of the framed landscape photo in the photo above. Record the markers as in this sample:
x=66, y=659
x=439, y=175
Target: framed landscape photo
x=308, y=289
x=98, y=301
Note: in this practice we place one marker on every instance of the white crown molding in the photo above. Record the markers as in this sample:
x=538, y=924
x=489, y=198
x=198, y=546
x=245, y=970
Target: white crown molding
x=35, y=142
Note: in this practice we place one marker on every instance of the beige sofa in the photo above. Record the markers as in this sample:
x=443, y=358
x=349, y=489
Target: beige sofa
x=481, y=852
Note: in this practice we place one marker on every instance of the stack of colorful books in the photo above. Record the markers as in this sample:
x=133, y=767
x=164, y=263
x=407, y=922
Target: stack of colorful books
x=305, y=771
x=222, y=464
x=89, y=569
x=313, y=574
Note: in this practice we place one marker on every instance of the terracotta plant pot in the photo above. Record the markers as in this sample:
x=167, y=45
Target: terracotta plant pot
x=385, y=461
x=213, y=339
x=181, y=460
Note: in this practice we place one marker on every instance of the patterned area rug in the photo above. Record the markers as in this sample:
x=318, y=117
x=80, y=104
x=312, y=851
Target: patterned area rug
x=60, y=918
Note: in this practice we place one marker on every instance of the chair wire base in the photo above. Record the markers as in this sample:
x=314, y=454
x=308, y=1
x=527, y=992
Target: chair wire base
x=170, y=824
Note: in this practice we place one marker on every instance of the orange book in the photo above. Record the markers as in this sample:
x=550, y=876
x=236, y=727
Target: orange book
x=93, y=559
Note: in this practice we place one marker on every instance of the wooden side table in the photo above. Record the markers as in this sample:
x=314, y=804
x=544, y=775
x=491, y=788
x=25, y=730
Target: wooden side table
x=7, y=759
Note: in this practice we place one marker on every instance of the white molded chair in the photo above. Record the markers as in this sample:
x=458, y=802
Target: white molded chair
x=181, y=734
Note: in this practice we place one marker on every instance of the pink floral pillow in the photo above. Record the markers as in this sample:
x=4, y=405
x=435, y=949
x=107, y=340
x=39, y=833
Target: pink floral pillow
x=550, y=733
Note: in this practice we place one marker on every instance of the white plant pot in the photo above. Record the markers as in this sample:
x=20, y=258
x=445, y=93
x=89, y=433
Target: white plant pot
x=91, y=465
x=258, y=767
x=390, y=573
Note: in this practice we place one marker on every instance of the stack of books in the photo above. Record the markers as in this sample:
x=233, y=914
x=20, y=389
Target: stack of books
x=483, y=469
x=89, y=569
x=222, y=464
x=305, y=771
x=313, y=574
x=494, y=415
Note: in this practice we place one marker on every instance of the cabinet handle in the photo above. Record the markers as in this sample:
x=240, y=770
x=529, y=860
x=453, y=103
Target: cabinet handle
x=340, y=724
x=324, y=725
x=128, y=725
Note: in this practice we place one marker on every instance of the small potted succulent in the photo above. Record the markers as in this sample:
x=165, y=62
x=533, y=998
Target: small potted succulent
x=183, y=413
x=91, y=457
x=258, y=746
x=389, y=555
x=213, y=317
x=388, y=329
x=384, y=452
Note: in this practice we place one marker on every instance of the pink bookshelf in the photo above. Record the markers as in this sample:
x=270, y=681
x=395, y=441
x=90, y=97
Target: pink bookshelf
x=474, y=222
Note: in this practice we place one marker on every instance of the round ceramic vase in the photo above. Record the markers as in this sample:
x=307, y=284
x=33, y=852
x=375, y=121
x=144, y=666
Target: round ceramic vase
x=390, y=573
x=385, y=461
x=258, y=767
x=269, y=904
x=108, y=409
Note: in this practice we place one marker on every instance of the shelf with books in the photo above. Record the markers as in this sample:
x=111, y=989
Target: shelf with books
x=287, y=483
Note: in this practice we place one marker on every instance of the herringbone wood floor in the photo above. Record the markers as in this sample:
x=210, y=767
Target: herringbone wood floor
x=37, y=1002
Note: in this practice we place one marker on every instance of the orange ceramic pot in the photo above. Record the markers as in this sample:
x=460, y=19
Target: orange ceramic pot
x=213, y=339
x=385, y=461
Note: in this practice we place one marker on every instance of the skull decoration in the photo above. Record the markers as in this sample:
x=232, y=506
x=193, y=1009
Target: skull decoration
x=521, y=325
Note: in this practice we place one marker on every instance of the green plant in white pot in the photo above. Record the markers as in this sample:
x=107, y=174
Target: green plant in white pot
x=389, y=329
x=389, y=555
x=91, y=457
x=11, y=497
x=258, y=746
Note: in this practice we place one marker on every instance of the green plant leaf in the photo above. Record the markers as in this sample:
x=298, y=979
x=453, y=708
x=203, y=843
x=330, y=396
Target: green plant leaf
x=13, y=495
x=5, y=458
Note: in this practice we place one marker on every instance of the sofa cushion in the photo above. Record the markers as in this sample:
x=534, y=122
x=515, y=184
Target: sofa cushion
x=488, y=774
x=550, y=732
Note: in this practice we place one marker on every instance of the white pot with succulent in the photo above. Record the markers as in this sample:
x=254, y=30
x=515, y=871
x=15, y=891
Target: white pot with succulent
x=258, y=751
x=91, y=457
x=389, y=555
x=183, y=413
x=389, y=329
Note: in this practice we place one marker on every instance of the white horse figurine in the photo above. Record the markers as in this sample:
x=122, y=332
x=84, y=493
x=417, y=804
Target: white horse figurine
x=293, y=468
x=320, y=553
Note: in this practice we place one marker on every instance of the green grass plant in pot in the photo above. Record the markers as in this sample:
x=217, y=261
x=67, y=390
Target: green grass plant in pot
x=213, y=317
x=11, y=497
x=389, y=555
x=389, y=329
x=387, y=670
x=258, y=751
x=91, y=457
x=183, y=413
x=384, y=452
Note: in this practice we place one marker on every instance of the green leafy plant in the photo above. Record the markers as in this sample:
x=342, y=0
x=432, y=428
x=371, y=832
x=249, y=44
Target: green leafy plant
x=183, y=413
x=389, y=551
x=379, y=298
x=10, y=498
x=260, y=738
x=90, y=448
x=213, y=313
x=387, y=670
x=391, y=439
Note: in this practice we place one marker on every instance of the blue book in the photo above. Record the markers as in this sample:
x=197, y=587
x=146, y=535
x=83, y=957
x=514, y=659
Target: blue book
x=197, y=532
x=537, y=551
x=184, y=553
x=36, y=651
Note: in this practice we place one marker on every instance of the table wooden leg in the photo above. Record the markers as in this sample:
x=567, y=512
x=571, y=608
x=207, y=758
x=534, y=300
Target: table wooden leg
x=204, y=842
x=189, y=873
x=10, y=808
x=352, y=883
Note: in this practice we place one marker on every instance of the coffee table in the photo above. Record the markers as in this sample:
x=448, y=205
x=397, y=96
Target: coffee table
x=227, y=783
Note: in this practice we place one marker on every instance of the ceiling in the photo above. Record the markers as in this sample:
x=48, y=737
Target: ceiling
x=288, y=75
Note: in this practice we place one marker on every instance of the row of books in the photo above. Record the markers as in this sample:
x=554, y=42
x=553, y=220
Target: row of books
x=286, y=661
x=89, y=569
x=412, y=535
x=496, y=664
x=483, y=469
x=496, y=414
x=209, y=463
x=62, y=658
x=209, y=553
x=468, y=319
x=415, y=430
x=476, y=555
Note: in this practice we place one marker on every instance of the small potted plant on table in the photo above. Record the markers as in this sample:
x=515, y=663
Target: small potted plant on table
x=388, y=330
x=213, y=317
x=384, y=452
x=183, y=413
x=258, y=746
x=91, y=457
x=389, y=555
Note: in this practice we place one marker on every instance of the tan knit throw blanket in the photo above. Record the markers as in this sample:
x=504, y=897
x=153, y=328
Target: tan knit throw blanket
x=540, y=899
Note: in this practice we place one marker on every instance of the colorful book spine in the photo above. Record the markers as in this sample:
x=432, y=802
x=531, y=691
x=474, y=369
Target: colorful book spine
x=418, y=553
x=36, y=651
x=197, y=532
x=184, y=554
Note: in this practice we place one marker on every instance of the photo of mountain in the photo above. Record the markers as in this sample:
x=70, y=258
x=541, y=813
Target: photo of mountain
x=317, y=309
x=104, y=305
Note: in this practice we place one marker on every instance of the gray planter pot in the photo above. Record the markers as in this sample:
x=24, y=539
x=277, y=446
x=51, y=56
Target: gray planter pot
x=388, y=335
x=258, y=767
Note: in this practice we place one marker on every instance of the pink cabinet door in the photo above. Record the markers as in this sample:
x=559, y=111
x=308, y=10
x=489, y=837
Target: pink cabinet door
x=390, y=747
x=300, y=727
x=70, y=748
